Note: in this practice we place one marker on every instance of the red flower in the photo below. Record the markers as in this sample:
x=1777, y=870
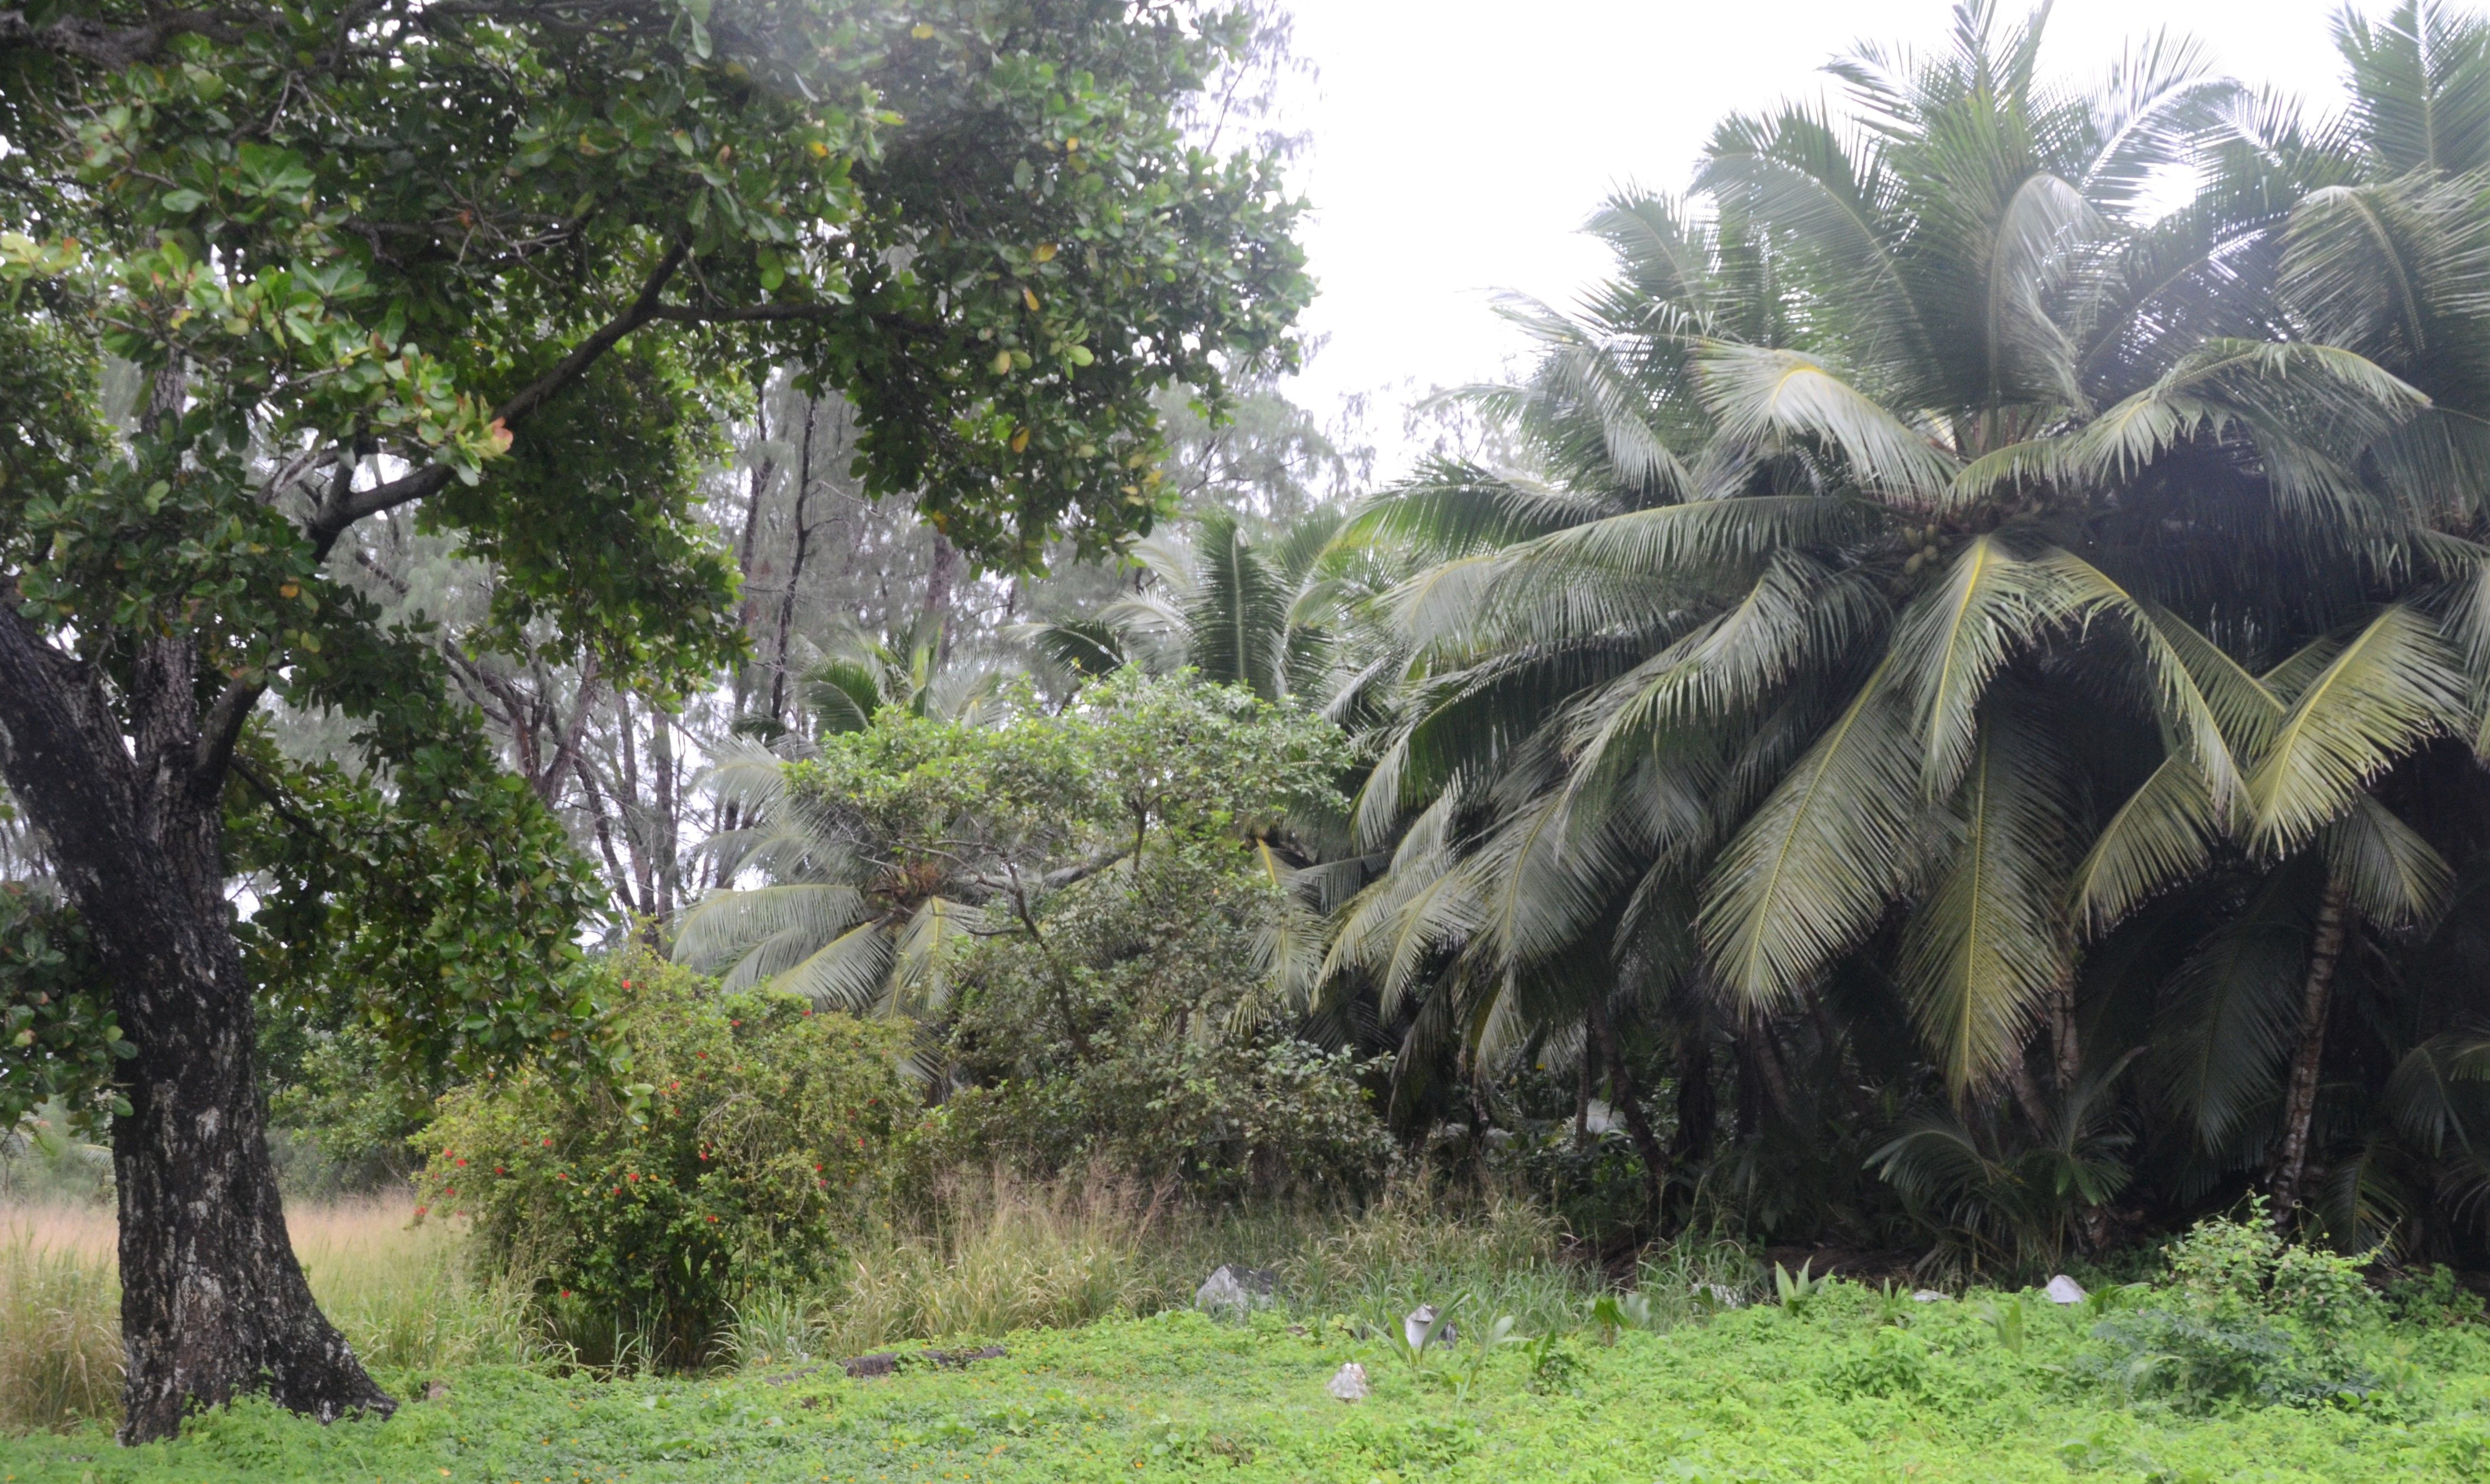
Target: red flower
x=548, y=1143
x=498, y=1170
x=421, y=1210
x=565, y=1293
x=462, y=1162
x=712, y=1218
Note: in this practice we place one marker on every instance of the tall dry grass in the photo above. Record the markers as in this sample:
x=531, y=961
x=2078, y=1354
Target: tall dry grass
x=996, y=1255
x=992, y=1254
x=402, y=1295
x=984, y=1256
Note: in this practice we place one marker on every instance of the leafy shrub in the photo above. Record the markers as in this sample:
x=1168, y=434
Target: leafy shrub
x=2252, y=1320
x=1135, y=1031
x=2435, y=1297
x=750, y=1142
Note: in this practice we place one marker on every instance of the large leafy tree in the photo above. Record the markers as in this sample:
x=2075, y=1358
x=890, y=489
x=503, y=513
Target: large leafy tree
x=276, y=270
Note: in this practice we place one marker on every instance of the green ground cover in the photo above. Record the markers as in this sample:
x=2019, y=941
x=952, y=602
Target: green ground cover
x=1959, y=1390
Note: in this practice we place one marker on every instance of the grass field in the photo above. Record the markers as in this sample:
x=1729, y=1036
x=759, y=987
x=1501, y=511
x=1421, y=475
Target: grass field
x=1848, y=1384
x=1753, y=1395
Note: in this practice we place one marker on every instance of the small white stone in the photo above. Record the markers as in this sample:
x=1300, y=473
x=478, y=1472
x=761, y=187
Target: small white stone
x=1930, y=1296
x=1349, y=1382
x=2065, y=1290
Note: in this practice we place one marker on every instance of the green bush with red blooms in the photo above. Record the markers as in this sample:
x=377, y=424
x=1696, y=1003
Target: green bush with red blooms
x=742, y=1143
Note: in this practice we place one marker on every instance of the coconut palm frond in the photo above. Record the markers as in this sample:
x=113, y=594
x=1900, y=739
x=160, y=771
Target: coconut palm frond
x=851, y=972
x=2163, y=834
x=2393, y=685
x=1766, y=399
x=738, y=927
x=2394, y=876
x=1810, y=872
x=1986, y=947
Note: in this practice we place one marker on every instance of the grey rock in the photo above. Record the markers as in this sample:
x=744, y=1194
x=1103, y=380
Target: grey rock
x=1236, y=1291
x=2065, y=1290
x=1930, y=1296
x=1720, y=1295
x=1413, y=1328
x=1349, y=1382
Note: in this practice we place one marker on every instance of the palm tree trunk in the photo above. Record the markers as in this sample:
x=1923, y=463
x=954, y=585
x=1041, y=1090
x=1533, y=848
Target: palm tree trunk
x=1621, y=1087
x=2064, y=1040
x=2299, y=1101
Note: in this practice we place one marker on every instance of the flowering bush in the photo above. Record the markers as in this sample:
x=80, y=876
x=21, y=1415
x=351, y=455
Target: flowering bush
x=743, y=1141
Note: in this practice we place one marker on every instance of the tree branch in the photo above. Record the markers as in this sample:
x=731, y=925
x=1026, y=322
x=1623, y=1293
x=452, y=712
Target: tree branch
x=336, y=516
x=344, y=504
x=113, y=47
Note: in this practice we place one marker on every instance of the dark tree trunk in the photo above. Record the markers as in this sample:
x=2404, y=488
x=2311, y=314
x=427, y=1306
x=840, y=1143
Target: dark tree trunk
x=803, y=534
x=1629, y=1105
x=1699, y=1115
x=940, y=585
x=213, y=1303
x=2300, y=1099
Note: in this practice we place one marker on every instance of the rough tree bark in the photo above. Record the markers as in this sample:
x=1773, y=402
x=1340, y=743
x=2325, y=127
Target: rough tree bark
x=213, y=1302
x=2300, y=1099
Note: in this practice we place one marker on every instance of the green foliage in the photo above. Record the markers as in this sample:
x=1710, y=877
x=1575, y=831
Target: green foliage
x=895, y=840
x=1132, y=1025
x=58, y=1034
x=2435, y=1297
x=2247, y=1319
x=748, y=1151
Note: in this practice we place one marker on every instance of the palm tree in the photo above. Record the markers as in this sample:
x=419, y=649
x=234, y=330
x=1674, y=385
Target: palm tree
x=1933, y=557
x=836, y=914
x=1281, y=616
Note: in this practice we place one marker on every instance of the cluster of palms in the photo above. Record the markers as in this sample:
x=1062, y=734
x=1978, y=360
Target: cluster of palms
x=1984, y=668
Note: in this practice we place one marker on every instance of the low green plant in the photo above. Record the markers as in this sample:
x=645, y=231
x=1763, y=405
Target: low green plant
x=1493, y=1335
x=1796, y=1290
x=1555, y=1365
x=2009, y=1320
x=1614, y=1313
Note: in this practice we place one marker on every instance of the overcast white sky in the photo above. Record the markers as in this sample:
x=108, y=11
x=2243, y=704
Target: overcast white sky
x=1458, y=144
